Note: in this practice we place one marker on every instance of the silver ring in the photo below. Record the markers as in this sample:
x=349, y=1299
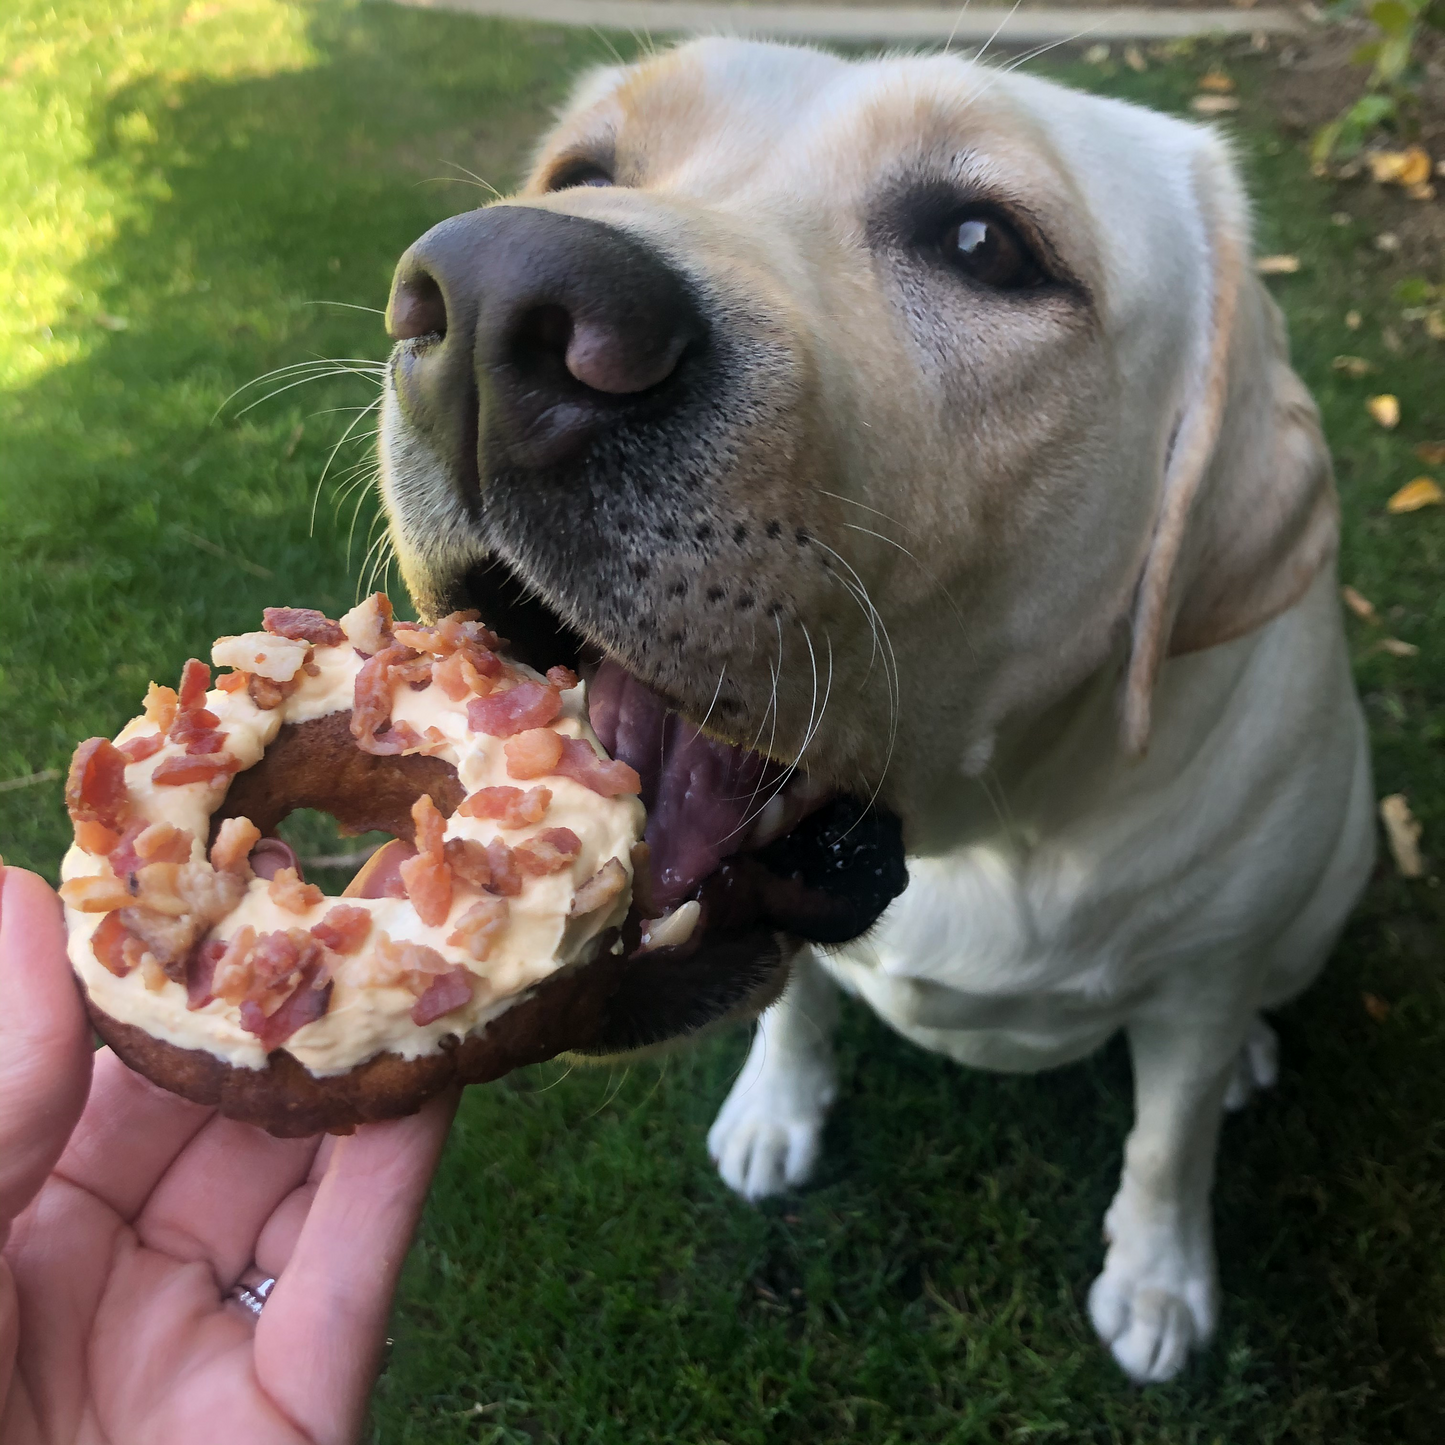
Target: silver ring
x=252, y=1291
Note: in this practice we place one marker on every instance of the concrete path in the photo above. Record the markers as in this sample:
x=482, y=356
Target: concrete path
x=887, y=23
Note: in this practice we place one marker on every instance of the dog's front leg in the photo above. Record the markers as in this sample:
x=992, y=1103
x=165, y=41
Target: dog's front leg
x=1158, y=1295
x=767, y=1134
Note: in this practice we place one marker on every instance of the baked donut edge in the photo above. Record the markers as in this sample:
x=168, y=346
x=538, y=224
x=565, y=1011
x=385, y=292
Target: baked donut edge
x=564, y=1012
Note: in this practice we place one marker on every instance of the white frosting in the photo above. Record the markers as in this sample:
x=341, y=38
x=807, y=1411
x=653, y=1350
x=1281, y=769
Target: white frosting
x=539, y=937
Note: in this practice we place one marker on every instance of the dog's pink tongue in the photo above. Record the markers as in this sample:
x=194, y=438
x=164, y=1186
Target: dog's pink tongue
x=700, y=795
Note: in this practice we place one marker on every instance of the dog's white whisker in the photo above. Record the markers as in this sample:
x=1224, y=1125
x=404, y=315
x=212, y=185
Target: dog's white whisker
x=942, y=590
x=362, y=414
x=717, y=693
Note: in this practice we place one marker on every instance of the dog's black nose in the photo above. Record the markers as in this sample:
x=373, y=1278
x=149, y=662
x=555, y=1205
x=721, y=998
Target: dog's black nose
x=534, y=330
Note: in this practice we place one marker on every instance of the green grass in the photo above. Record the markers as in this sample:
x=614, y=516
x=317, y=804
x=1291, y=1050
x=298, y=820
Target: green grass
x=204, y=176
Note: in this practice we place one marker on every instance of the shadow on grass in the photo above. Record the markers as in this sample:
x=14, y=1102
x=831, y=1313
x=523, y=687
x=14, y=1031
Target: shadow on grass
x=582, y=1275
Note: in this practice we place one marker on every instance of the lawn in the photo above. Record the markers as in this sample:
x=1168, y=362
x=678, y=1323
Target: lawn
x=196, y=194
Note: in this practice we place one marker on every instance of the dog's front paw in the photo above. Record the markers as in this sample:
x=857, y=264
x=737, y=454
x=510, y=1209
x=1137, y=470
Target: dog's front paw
x=1157, y=1297
x=768, y=1133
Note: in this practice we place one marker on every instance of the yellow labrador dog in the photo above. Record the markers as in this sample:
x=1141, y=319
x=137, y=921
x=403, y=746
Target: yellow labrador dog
x=910, y=442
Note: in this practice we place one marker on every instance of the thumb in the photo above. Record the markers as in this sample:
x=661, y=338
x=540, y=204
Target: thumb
x=45, y=1046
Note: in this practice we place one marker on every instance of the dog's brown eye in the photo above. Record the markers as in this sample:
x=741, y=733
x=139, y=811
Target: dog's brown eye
x=989, y=250
x=582, y=174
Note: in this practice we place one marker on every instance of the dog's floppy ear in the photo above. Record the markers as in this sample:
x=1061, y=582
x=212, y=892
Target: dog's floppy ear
x=1248, y=513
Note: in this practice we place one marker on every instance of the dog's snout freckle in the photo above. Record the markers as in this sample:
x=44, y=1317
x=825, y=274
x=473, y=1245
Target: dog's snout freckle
x=775, y=529
x=746, y=602
x=716, y=594
x=740, y=534
x=704, y=532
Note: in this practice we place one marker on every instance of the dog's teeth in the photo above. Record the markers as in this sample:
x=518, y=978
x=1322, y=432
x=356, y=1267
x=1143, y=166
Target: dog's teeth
x=771, y=822
x=673, y=928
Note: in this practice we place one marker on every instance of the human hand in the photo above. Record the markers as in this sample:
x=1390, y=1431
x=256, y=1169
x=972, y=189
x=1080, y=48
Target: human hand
x=128, y=1214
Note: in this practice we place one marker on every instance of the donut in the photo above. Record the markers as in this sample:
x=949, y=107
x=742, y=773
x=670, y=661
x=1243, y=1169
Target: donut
x=487, y=934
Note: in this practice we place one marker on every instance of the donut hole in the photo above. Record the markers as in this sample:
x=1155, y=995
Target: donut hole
x=317, y=791
x=330, y=857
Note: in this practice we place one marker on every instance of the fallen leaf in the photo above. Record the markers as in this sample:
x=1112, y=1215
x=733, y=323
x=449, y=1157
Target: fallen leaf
x=1375, y=1006
x=1435, y=326
x=1096, y=55
x=111, y=323
x=1387, y=241
x=1358, y=603
x=1134, y=59
x=1353, y=320
x=1276, y=265
x=1402, y=833
x=1422, y=492
x=1355, y=366
x=1431, y=453
x=1216, y=81
x=1390, y=339
x=1416, y=170
x=1213, y=104
x=1385, y=409
x=1386, y=166
x=1422, y=192
x=1396, y=648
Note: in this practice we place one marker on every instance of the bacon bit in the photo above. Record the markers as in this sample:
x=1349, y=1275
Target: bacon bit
x=533, y=754
x=368, y=625
x=162, y=843
x=581, y=764
x=210, y=741
x=191, y=725
x=415, y=674
x=412, y=966
x=303, y=624
x=505, y=714
x=344, y=929
x=201, y=970
x=443, y=996
x=233, y=681
x=427, y=877
x=153, y=975
x=306, y=1003
x=195, y=681
x=230, y=969
x=429, y=825
x=467, y=671
x=288, y=890
x=95, y=893
x=124, y=860
x=137, y=750
x=371, y=705
x=552, y=850
x=478, y=927
x=211, y=768
x=108, y=943
x=95, y=838
x=418, y=638
x=95, y=791
x=506, y=879
x=428, y=882
x=160, y=705
x=468, y=861
x=562, y=677
x=600, y=889
x=512, y=807
x=448, y=675
x=433, y=741
x=268, y=694
x=232, y=849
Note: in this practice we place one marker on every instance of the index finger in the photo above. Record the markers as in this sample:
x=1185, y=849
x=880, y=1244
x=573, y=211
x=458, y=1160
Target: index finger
x=319, y=1339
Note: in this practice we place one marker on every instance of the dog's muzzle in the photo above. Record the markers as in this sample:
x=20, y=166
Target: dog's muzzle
x=529, y=342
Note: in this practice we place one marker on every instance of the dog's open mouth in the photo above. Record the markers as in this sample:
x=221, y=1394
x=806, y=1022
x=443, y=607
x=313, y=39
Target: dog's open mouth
x=740, y=848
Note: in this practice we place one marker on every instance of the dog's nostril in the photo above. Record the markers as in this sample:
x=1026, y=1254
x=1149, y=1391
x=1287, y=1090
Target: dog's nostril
x=417, y=308
x=620, y=363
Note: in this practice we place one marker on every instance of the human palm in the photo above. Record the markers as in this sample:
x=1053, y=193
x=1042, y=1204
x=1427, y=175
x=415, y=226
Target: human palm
x=127, y=1215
